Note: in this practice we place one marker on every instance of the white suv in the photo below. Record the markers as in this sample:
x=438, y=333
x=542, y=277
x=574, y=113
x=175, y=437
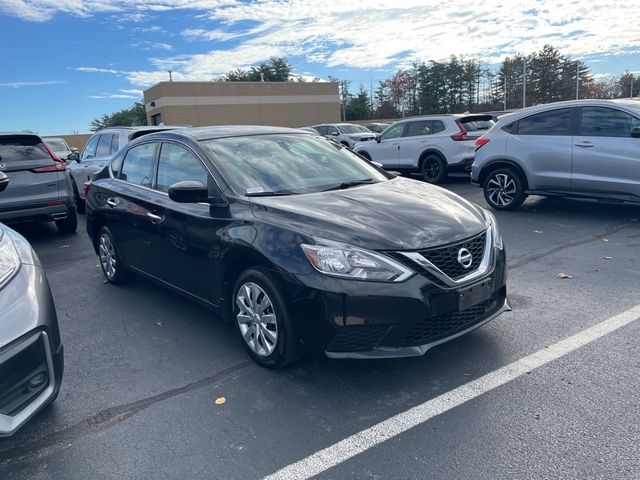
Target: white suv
x=345, y=133
x=432, y=144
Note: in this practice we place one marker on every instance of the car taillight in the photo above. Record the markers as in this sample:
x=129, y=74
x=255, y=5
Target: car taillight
x=58, y=165
x=461, y=136
x=481, y=142
x=85, y=188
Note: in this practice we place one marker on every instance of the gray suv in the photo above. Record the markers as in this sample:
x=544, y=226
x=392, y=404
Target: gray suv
x=580, y=148
x=39, y=188
x=98, y=151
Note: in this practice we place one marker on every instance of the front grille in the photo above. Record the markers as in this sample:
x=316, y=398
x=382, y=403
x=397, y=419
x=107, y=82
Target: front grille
x=446, y=258
x=357, y=338
x=435, y=329
x=20, y=367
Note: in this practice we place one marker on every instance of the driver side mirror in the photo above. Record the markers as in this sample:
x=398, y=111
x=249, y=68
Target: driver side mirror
x=378, y=138
x=4, y=181
x=74, y=156
x=635, y=132
x=334, y=133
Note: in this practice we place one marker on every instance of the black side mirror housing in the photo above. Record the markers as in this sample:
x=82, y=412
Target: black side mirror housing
x=378, y=139
x=4, y=181
x=195, y=192
x=74, y=156
x=635, y=132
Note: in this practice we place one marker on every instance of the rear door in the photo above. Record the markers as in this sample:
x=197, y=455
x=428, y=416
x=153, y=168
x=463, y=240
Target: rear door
x=32, y=172
x=128, y=207
x=543, y=143
x=606, y=159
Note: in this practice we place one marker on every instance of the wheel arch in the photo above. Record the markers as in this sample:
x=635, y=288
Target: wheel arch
x=431, y=151
x=503, y=163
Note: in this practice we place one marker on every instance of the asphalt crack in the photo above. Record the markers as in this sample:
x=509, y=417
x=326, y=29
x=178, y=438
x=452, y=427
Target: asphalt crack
x=105, y=419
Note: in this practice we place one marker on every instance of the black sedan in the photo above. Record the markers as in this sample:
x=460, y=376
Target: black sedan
x=31, y=358
x=299, y=242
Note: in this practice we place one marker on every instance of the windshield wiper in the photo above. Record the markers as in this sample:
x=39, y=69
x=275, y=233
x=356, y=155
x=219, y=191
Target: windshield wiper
x=353, y=183
x=271, y=194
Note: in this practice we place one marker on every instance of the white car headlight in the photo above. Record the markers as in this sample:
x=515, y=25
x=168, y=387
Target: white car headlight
x=355, y=263
x=9, y=260
x=495, y=232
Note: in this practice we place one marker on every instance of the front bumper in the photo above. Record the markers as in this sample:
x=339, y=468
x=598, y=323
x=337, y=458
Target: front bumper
x=351, y=319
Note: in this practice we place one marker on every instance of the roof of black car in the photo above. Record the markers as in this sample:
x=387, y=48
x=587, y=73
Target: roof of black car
x=208, y=133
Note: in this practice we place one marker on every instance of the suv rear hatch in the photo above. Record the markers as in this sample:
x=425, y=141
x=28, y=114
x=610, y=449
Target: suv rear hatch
x=34, y=172
x=475, y=125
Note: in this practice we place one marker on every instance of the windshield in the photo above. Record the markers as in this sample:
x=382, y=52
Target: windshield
x=288, y=164
x=57, y=145
x=352, y=129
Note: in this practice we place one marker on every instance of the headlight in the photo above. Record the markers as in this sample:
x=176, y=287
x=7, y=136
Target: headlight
x=9, y=261
x=351, y=262
x=495, y=232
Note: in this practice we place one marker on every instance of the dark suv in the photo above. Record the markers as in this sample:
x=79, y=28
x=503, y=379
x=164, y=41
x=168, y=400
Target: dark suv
x=39, y=186
x=298, y=241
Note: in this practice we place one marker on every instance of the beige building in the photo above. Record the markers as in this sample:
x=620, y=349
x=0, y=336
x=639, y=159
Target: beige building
x=288, y=104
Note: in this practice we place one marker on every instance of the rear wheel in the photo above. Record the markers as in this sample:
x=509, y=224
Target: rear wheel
x=434, y=169
x=262, y=319
x=69, y=224
x=504, y=189
x=112, y=267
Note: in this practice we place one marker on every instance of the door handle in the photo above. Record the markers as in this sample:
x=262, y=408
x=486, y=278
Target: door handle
x=112, y=202
x=584, y=144
x=154, y=218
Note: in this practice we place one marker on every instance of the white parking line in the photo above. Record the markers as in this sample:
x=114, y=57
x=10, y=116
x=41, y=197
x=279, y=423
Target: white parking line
x=372, y=436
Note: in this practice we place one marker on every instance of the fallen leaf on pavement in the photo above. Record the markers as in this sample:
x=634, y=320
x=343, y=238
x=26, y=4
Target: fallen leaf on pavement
x=608, y=258
x=564, y=275
x=220, y=401
x=538, y=231
x=160, y=323
x=605, y=239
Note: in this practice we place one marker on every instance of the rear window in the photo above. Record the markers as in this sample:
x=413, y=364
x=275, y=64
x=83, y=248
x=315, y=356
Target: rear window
x=17, y=148
x=474, y=124
x=57, y=145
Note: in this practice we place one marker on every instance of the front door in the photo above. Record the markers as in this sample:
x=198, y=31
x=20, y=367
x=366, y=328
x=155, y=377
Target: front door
x=606, y=159
x=184, y=234
x=386, y=152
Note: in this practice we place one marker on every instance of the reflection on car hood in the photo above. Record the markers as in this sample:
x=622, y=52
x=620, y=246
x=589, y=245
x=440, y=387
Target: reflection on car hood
x=399, y=214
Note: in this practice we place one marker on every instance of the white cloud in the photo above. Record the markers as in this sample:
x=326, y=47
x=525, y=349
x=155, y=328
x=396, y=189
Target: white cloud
x=124, y=93
x=30, y=84
x=147, y=45
x=97, y=70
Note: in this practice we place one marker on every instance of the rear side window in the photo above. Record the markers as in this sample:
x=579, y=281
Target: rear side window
x=90, y=148
x=437, y=126
x=137, y=164
x=115, y=145
x=17, y=148
x=421, y=127
x=554, y=122
x=607, y=122
x=104, y=146
x=177, y=164
x=509, y=128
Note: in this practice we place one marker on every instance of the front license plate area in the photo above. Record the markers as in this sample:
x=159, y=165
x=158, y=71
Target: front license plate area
x=469, y=297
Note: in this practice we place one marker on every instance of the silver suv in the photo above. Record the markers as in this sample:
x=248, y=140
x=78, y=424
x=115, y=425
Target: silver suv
x=98, y=151
x=39, y=188
x=580, y=148
x=345, y=133
x=432, y=145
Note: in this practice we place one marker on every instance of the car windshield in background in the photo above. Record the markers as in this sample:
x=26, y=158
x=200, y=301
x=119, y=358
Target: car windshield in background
x=352, y=129
x=57, y=145
x=15, y=148
x=288, y=164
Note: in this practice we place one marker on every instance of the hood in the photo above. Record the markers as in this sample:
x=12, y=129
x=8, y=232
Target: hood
x=398, y=214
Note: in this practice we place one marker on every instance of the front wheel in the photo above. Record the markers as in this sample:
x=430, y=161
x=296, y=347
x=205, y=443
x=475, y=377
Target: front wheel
x=262, y=320
x=504, y=189
x=434, y=169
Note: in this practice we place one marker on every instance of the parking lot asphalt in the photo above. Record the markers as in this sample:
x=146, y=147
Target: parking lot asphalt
x=145, y=366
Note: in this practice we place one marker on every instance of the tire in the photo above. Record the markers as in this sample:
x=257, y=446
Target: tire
x=112, y=267
x=69, y=224
x=433, y=169
x=346, y=144
x=365, y=155
x=504, y=189
x=80, y=204
x=267, y=335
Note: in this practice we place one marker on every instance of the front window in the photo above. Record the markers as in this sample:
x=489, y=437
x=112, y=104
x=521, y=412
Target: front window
x=177, y=164
x=394, y=131
x=607, y=122
x=288, y=164
x=90, y=149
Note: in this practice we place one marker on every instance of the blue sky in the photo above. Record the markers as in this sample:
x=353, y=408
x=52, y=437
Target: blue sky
x=64, y=62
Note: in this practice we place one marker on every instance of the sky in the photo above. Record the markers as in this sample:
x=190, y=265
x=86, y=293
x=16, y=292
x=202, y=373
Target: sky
x=65, y=62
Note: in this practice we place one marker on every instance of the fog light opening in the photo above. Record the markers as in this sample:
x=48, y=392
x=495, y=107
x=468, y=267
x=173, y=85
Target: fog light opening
x=37, y=380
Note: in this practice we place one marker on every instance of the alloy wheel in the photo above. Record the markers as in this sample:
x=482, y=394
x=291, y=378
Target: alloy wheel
x=501, y=189
x=432, y=168
x=107, y=256
x=257, y=319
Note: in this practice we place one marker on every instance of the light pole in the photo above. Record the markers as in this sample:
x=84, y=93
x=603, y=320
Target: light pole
x=631, y=89
x=577, y=79
x=524, y=83
x=505, y=91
